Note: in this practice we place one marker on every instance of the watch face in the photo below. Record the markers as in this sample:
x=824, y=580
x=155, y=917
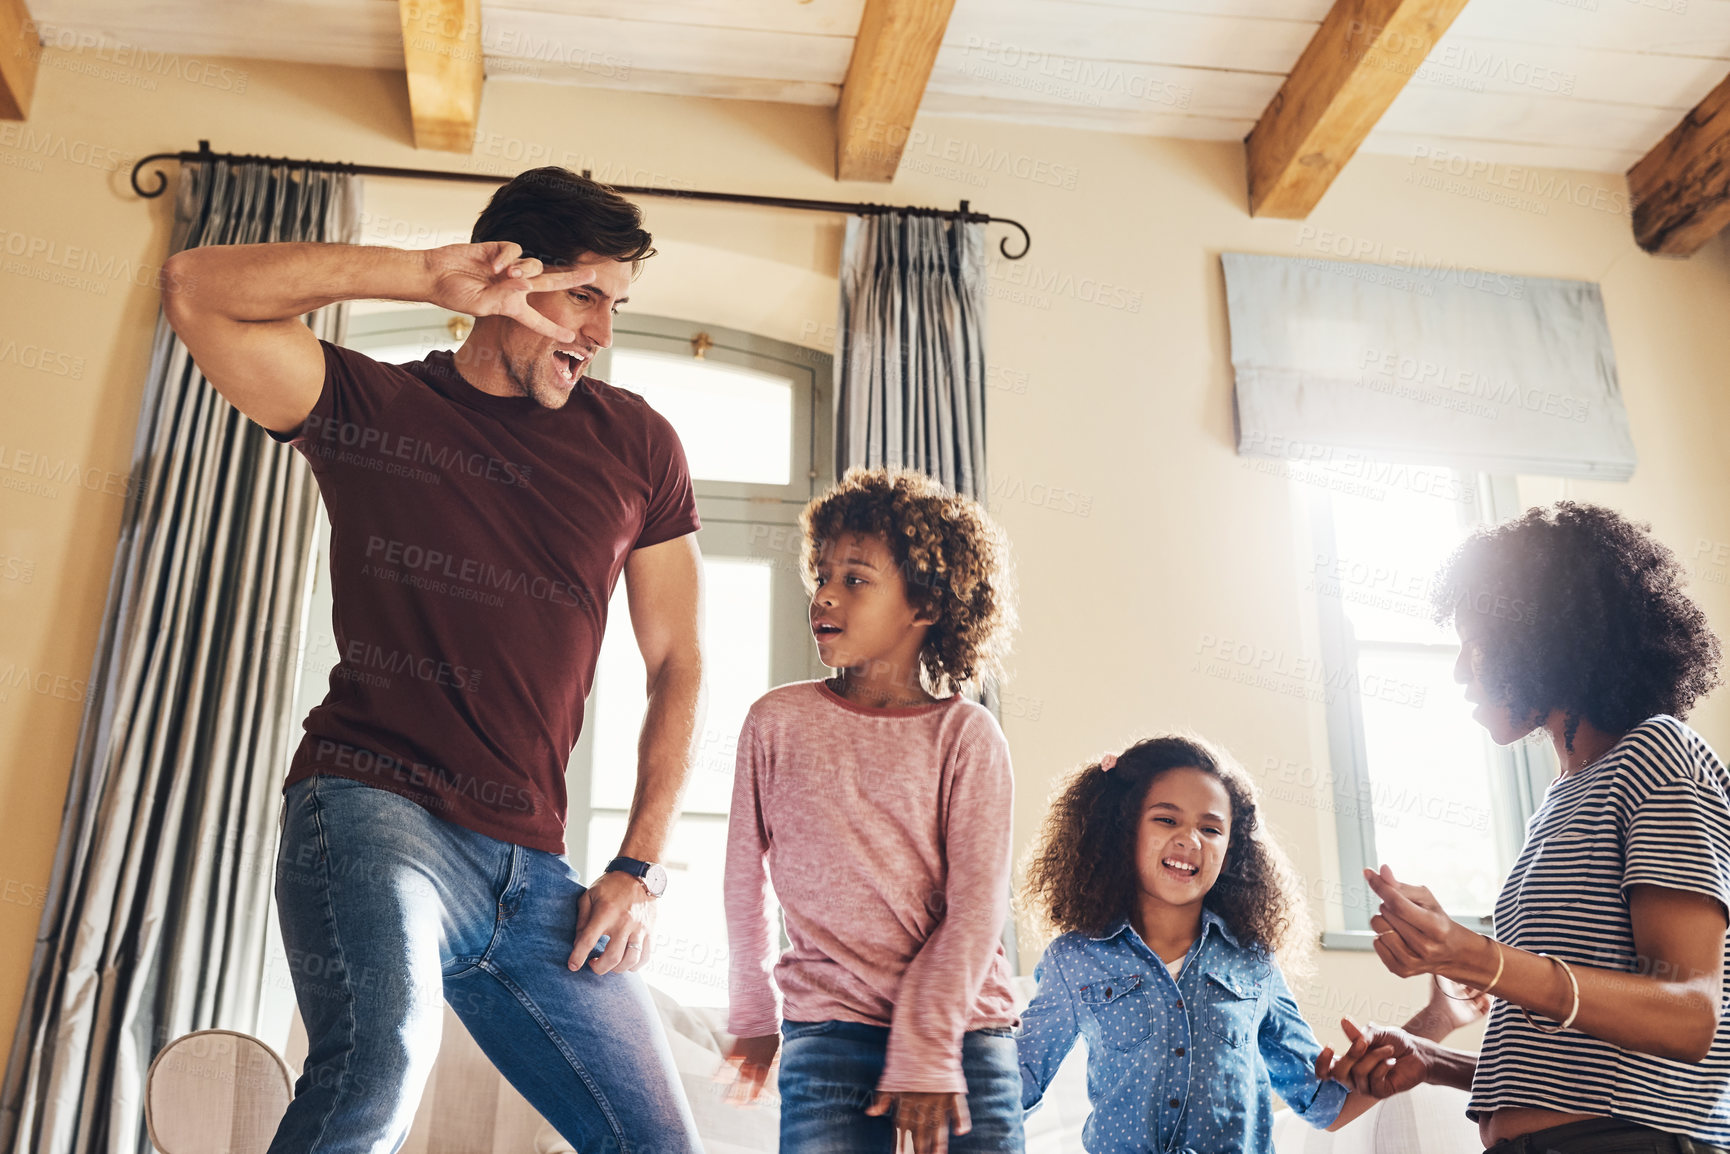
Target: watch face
x=656, y=880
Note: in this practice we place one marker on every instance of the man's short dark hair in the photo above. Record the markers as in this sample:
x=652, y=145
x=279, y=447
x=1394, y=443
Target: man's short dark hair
x=557, y=216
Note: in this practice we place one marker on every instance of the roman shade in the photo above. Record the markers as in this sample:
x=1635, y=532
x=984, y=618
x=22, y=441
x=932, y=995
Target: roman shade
x=1424, y=363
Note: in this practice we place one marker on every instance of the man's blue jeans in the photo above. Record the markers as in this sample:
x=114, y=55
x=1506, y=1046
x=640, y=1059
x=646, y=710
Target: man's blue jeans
x=386, y=912
x=829, y=1074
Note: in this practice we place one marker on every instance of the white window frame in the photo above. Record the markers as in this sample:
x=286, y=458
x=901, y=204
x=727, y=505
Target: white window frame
x=1519, y=773
x=739, y=519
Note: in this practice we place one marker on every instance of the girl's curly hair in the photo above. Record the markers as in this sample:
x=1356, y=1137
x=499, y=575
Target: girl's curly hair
x=1083, y=878
x=1574, y=607
x=953, y=557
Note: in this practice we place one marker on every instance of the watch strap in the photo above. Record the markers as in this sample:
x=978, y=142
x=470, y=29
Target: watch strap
x=651, y=876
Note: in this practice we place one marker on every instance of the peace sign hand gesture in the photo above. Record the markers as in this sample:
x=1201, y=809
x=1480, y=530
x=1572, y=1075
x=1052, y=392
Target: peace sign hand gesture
x=494, y=279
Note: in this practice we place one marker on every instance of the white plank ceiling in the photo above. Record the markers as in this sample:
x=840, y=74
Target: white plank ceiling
x=1588, y=84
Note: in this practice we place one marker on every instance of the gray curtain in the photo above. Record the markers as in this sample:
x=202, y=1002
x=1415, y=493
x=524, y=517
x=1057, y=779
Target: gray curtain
x=910, y=363
x=155, y=920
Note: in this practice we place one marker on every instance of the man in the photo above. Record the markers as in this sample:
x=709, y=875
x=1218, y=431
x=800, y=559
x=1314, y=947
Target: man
x=482, y=506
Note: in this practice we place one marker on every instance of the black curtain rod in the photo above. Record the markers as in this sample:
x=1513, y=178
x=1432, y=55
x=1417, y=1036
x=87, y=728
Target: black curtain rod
x=204, y=154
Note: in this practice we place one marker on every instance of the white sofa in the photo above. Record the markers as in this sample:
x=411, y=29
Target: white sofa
x=1427, y=1120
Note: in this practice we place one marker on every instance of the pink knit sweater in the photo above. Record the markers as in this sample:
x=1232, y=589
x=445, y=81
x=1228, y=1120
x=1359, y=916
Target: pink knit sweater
x=887, y=834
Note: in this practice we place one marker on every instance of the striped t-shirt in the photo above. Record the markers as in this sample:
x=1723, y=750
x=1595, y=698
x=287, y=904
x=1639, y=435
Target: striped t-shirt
x=1653, y=810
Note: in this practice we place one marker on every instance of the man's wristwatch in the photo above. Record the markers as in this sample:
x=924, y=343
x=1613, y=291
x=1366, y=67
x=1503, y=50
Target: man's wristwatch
x=653, y=877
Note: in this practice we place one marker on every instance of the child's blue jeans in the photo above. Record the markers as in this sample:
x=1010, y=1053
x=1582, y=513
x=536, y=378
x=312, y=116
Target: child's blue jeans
x=388, y=912
x=829, y=1075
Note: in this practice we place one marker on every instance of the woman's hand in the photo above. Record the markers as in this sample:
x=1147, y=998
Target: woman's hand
x=1414, y=935
x=751, y=1059
x=923, y=1121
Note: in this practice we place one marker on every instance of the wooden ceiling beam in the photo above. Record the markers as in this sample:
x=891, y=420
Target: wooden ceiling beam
x=441, y=48
x=1357, y=62
x=892, y=61
x=20, y=49
x=1681, y=189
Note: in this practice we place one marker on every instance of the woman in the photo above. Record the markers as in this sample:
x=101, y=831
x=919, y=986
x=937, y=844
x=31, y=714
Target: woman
x=1608, y=964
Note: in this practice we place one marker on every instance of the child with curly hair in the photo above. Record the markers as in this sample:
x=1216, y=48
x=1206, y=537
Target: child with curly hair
x=1172, y=903
x=879, y=802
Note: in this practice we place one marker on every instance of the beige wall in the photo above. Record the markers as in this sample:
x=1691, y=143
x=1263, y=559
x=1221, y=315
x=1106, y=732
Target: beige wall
x=1136, y=527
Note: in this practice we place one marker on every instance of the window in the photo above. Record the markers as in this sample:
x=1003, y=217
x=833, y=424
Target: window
x=754, y=416
x=755, y=419
x=1415, y=782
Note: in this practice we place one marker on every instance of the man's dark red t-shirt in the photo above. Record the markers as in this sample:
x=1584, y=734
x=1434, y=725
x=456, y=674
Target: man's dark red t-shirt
x=475, y=542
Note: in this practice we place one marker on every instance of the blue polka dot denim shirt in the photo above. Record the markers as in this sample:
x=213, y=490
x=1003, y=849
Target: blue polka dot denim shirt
x=1186, y=1064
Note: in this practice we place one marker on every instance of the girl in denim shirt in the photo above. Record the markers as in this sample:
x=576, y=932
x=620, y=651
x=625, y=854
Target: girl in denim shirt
x=1173, y=903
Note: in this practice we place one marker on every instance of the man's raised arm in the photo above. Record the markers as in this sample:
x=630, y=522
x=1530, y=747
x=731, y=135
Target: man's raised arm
x=239, y=307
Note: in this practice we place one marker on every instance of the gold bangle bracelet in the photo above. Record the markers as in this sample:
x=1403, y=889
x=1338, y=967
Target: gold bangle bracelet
x=1574, y=985
x=1501, y=959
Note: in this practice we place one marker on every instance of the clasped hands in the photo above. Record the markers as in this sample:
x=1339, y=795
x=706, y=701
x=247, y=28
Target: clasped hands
x=923, y=1122
x=1414, y=935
